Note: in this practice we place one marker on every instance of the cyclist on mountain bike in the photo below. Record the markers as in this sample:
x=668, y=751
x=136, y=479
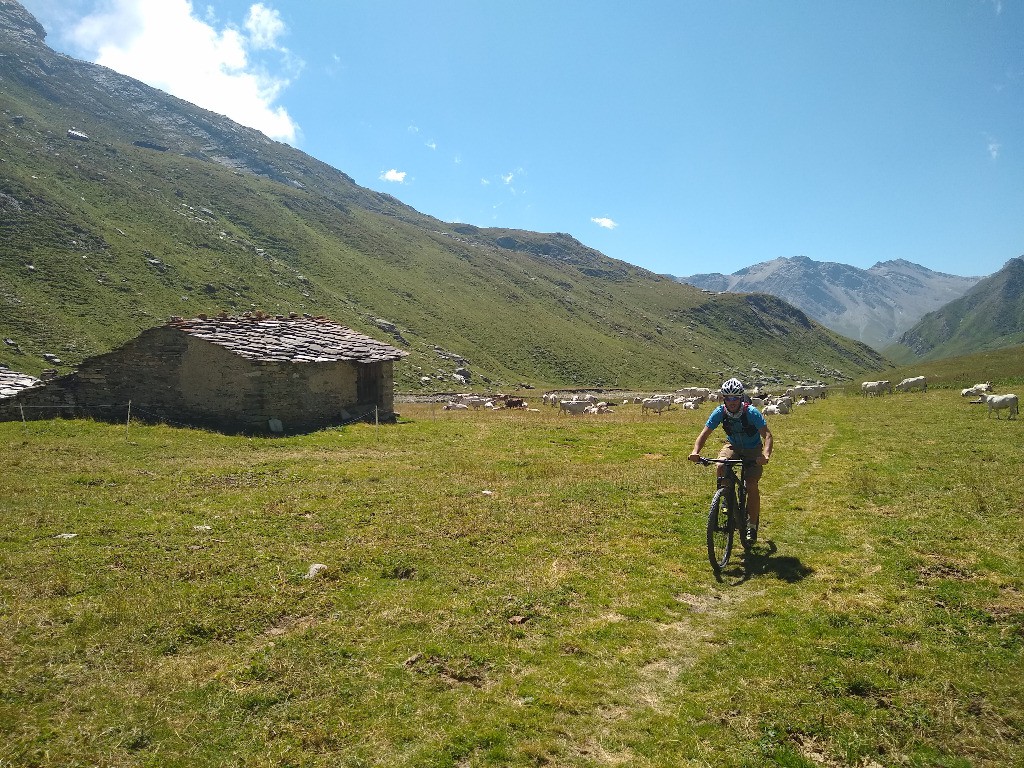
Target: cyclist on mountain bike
x=749, y=438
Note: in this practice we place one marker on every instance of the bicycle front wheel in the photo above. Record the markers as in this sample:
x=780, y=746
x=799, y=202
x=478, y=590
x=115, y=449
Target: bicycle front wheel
x=720, y=529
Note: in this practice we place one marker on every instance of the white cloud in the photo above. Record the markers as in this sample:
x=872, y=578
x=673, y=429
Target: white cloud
x=605, y=222
x=393, y=175
x=431, y=144
x=508, y=178
x=264, y=26
x=166, y=45
x=993, y=149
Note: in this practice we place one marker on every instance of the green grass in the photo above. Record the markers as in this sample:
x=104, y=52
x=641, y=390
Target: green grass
x=568, y=617
x=1002, y=366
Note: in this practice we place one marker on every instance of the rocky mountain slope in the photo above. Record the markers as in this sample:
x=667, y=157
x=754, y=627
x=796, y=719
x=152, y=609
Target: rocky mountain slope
x=121, y=206
x=989, y=316
x=873, y=305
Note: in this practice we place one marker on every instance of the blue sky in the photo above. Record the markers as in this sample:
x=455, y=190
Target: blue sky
x=680, y=136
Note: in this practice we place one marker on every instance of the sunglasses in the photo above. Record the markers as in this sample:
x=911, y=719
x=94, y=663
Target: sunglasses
x=731, y=399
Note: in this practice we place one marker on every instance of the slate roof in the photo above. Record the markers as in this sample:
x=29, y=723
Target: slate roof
x=12, y=382
x=292, y=339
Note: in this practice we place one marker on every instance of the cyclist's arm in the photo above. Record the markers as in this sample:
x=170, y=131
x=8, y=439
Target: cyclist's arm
x=766, y=445
x=699, y=443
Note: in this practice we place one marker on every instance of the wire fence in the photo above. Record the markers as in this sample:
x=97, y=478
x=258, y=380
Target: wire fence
x=144, y=414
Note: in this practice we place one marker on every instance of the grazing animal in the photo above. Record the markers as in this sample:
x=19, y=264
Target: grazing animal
x=573, y=407
x=807, y=391
x=978, y=390
x=875, y=387
x=999, y=402
x=656, y=404
x=914, y=382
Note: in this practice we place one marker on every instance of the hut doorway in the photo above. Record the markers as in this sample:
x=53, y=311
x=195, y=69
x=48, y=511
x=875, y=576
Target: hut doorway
x=368, y=383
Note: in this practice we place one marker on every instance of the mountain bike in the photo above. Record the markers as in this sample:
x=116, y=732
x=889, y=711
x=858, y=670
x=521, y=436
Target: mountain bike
x=728, y=512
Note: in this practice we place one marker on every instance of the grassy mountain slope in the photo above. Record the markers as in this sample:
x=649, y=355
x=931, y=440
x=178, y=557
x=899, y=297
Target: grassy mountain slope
x=989, y=316
x=171, y=210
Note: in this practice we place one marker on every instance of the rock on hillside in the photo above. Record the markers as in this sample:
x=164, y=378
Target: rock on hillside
x=873, y=305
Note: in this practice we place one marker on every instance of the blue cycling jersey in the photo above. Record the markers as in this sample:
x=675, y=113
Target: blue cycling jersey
x=744, y=428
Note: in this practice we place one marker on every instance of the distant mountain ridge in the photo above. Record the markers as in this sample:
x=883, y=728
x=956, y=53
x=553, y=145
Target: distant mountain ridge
x=989, y=316
x=875, y=306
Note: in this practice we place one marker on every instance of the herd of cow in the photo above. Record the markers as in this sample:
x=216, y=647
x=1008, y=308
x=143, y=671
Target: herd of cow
x=690, y=398
x=983, y=392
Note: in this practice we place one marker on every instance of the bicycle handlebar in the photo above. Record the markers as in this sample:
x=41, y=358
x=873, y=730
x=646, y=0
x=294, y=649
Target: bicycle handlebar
x=733, y=462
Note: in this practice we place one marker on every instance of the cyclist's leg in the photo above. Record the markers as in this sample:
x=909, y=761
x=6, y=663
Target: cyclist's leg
x=753, y=502
x=753, y=477
x=727, y=453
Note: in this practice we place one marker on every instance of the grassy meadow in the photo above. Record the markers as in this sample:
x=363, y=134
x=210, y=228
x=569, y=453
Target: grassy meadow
x=513, y=589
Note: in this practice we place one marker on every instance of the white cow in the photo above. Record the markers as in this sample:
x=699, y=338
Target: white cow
x=914, y=382
x=656, y=404
x=807, y=391
x=476, y=401
x=978, y=390
x=573, y=407
x=875, y=387
x=999, y=402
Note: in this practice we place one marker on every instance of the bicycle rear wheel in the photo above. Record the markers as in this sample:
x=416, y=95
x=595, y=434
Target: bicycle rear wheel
x=720, y=529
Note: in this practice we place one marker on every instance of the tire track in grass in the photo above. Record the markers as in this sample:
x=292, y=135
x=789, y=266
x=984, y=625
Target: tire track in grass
x=703, y=617
x=683, y=643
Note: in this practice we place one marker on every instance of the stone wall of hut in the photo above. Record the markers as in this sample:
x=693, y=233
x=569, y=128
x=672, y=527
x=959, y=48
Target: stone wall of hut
x=169, y=376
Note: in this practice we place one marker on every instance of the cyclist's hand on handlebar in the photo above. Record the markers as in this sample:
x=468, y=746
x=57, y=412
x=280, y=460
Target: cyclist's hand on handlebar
x=696, y=458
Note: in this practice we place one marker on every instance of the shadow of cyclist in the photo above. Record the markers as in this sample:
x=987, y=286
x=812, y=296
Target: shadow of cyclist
x=758, y=561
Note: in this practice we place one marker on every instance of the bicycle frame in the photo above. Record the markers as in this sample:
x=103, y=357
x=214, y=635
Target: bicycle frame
x=728, y=512
x=729, y=476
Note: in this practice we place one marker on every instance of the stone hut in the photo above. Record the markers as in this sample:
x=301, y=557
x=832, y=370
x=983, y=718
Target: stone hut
x=253, y=374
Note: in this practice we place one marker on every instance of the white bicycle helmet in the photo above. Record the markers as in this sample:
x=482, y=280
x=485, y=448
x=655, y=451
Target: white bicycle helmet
x=732, y=387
